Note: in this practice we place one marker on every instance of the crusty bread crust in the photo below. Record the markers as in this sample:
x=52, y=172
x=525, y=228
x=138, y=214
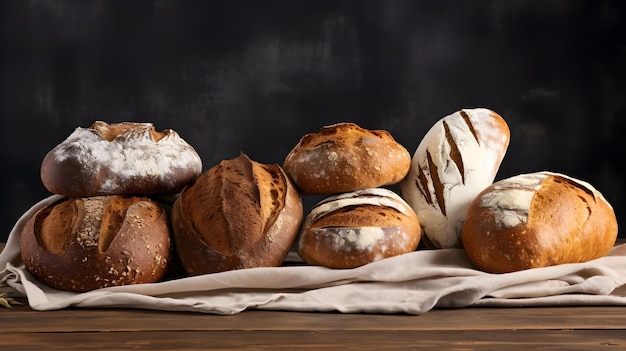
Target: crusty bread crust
x=238, y=214
x=352, y=229
x=536, y=220
x=80, y=244
x=345, y=157
x=120, y=159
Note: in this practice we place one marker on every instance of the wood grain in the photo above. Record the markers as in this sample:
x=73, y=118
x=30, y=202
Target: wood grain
x=129, y=320
x=571, y=328
x=264, y=340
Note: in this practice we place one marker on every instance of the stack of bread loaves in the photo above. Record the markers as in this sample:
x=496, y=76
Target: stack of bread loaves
x=360, y=221
x=107, y=229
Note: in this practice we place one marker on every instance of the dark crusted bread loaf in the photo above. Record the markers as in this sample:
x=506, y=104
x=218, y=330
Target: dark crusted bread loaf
x=238, y=214
x=81, y=244
x=345, y=157
x=536, y=220
x=352, y=229
x=120, y=159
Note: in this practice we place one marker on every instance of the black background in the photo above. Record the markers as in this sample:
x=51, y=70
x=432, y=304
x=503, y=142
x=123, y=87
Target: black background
x=255, y=76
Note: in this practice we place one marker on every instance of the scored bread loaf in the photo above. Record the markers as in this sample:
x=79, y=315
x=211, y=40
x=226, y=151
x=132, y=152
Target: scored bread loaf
x=537, y=220
x=120, y=159
x=351, y=229
x=457, y=158
x=344, y=157
x=238, y=214
x=80, y=244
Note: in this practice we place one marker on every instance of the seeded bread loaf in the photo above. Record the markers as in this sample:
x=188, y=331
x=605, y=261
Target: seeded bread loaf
x=457, y=158
x=120, y=159
x=349, y=230
x=537, y=220
x=345, y=157
x=80, y=244
x=238, y=214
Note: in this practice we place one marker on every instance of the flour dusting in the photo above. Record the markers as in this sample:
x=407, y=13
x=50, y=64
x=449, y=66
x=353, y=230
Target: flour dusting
x=511, y=198
x=357, y=238
x=133, y=153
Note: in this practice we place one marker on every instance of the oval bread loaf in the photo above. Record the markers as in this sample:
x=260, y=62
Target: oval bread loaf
x=238, y=214
x=80, y=244
x=349, y=230
x=457, y=158
x=537, y=220
x=345, y=157
x=120, y=159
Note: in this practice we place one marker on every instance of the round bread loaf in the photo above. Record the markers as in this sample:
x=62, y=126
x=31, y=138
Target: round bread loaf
x=80, y=244
x=537, y=220
x=238, y=214
x=457, y=158
x=349, y=230
x=120, y=159
x=345, y=157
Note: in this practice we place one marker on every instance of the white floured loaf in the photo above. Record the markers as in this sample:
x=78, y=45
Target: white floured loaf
x=457, y=158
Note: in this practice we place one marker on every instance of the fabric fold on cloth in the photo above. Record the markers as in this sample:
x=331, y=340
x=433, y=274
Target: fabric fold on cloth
x=412, y=283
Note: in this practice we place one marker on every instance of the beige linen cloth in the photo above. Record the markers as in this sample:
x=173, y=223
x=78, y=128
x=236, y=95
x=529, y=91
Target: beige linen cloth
x=413, y=283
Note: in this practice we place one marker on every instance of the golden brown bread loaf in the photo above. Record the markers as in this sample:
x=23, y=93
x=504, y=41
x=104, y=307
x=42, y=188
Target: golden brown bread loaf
x=124, y=158
x=345, y=157
x=349, y=230
x=537, y=220
x=457, y=158
x=80, y=244
x=238, y=214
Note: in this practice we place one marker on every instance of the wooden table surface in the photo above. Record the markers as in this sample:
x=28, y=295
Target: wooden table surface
x=554, y=328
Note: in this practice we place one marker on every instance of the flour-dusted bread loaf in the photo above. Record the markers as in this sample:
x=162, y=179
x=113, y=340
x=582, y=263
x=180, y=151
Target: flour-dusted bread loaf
x=351, y=229
x=120, y=159
x=457, y=158
x=238, y=214
x=80, y=244
x=537, y=220
x=345, y=157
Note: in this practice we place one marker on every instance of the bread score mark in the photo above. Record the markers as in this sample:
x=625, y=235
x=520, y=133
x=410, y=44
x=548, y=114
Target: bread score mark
x=569, y=182
x=47, y=229
x=437, y=185
x=470, y=125
x=421, y=182
x=373, y=197
x=454, y=153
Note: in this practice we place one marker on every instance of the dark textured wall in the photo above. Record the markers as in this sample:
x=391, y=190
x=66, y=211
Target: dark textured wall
x=254, y=76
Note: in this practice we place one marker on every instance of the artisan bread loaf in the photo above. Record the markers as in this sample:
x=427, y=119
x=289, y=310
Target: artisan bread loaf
x=345, y=157
x=457, y=158
x=117, y=159
x=352, y=229
x=238, y=214
x=80, y=244
x=537, y=220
